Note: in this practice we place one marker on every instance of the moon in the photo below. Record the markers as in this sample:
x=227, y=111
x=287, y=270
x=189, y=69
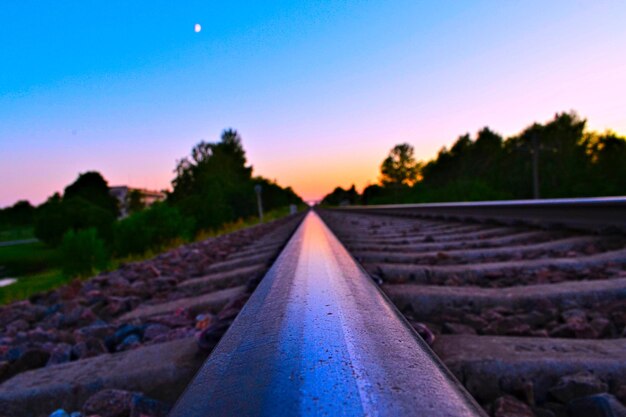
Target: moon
x=197, y=28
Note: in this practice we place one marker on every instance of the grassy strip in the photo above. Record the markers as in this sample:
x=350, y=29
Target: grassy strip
x=206, y=234
x=32, y=284
x=38, y=265
x=17, y=233
x=243, y=223
x=27, y=259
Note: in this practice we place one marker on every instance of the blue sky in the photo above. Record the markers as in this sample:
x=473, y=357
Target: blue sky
x=320, y=91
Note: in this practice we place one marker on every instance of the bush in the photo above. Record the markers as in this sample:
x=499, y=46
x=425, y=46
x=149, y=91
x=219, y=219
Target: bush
x=82, y=253
x=21, y=213
x=150, y=229
x=57, y=216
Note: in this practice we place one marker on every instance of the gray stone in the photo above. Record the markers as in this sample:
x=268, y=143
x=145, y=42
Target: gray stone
x=229, y=265
x=89, y=348
x=220, y=280
x=212, y=302
x=599, y=405
x=31, y=359
x=109, y=403
x=154, y=330
x=96, y=330
x=130, y=342
x=426, y=300
x=424, y=332
x=475, y=254
x=60, y=354
x=483, y=270
x=508, y=406
x=578, y=385
x=601, y=326
x=481, y=361
x=161, y=371
x=17, y=326
x=125, y=330
x=142, y=406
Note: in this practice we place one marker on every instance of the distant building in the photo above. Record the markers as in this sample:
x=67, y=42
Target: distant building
x=122, y=193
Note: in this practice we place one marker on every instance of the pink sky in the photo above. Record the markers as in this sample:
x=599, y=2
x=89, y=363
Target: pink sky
x=319, y=92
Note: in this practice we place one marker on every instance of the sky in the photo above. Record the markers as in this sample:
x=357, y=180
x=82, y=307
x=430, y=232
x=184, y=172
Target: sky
x=320, y=91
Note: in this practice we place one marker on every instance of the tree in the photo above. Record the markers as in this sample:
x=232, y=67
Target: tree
x=214, y=185
x=371, y=193
x=92, y=187
x=559, y=151
x=341, y=197
x=51, y=221
x=607, y=166
x=485, y=153
x=400, y=166
x=559, y=156
x=85, y=204
x=275, y=196
x=19, y=214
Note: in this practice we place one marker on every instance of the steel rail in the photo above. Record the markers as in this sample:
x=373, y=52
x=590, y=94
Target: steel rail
x=589, y=214
x=318, y=337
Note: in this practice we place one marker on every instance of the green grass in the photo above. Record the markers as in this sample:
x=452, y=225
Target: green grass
x=32, y=284
x=28, y=259
x=37, y=266
x=16, y=233
x=205, y=234
x=243, y=223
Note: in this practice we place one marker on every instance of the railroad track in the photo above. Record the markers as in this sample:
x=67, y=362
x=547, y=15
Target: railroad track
x=507, y=309
x=527, y=309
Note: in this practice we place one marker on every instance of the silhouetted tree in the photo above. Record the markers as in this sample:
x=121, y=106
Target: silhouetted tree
x=275, y=196
x=607, y=163
x=85, y=204
x=570, y=163
x=372, y=194
x=214, y=185
x=19, y=214
x=93, y=188
x=400, y=166
x=341, y=197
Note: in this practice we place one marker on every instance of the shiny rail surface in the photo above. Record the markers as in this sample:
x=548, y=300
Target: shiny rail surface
x=590, y=214
x=318, y=337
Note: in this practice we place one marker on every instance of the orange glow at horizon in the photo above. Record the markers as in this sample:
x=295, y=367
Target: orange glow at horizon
x=315, y=187
x=319, y=174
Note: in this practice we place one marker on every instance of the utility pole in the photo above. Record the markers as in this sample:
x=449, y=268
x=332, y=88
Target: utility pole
x=535, y=153
x=258, y=189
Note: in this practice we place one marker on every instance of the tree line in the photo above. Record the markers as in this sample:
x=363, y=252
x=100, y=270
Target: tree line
x=212, y=186
x=557, y=159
